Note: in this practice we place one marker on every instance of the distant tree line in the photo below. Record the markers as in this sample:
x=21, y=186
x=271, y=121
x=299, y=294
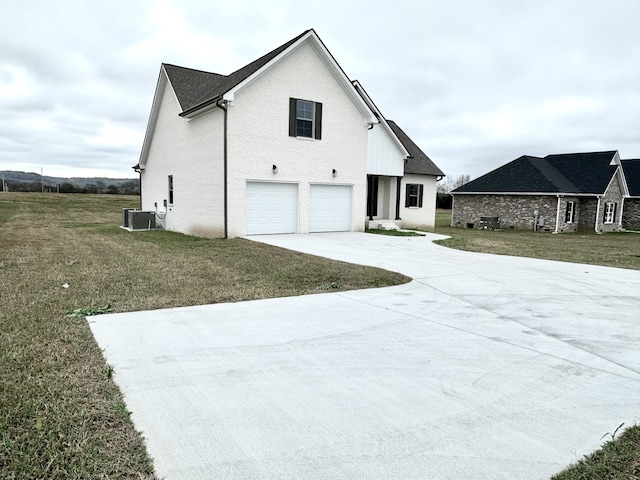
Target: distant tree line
x=125, y=188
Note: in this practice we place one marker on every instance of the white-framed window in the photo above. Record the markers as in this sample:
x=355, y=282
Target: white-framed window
x=305, y=118
x=170, y=185
x=570, y=212
x=413, y=195
x=609, y=212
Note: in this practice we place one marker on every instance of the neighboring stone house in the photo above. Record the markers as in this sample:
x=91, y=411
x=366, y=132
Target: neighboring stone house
x=285, y=144
x=557, y=193
x=631, y=207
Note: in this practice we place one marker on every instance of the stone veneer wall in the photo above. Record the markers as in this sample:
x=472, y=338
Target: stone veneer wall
x=631, y=213
x=612, y=194
x=514, y=211
x=588, y=208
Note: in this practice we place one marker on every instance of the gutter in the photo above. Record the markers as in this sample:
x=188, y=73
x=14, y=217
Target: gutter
x=222, y=104
x=215, y=100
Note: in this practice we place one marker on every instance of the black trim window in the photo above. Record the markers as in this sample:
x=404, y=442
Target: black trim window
x=610, y=212
x=413, y=195
x=570, y=212
x=305, y=118
x=170, y=189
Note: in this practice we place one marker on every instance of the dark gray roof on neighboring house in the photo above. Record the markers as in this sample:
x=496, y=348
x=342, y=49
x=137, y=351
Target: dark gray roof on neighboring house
x=631, y=169
x=585, y=173
x=418, y=163
x=196, y=89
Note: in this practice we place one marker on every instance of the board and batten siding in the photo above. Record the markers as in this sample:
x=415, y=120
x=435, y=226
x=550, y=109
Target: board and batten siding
x=383, y=155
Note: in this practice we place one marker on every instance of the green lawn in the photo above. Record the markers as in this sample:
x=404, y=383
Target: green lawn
x=611, y=249
x=618, y=459
x=61, y=415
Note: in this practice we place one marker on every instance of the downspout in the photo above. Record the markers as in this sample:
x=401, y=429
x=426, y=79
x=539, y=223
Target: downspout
x=597, y=216
x=453, y=202
x=138, y=170
x=140, y=186
x=369, y=198
x=557, y=215
x=222, y=104
x=398, y=185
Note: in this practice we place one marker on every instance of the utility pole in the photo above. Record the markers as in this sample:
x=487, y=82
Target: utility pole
x=41, y=180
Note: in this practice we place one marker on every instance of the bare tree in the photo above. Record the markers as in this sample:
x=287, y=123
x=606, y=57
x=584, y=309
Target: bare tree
x=448, y=184
x=460, y=181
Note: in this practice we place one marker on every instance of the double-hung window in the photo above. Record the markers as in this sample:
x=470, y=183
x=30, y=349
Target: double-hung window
x=413, y=195
x=570, y=212
x=305, y=118
x=609, y=212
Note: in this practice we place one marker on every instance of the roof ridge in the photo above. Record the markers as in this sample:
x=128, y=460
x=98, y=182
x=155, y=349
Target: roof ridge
x=239, y=75
x=581, y=153
x=165, y=64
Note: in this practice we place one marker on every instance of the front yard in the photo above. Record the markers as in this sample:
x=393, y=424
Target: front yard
x=611, y=249
x=61, y=415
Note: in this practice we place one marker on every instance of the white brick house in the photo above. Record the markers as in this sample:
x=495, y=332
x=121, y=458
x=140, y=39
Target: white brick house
x=279, y=146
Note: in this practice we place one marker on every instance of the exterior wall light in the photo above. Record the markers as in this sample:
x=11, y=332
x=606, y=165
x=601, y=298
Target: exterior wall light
x=334, y=172
x=274, y=169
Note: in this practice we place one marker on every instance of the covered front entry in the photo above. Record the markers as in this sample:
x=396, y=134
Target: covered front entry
x=382, y=198
x=330, y=208
x=271, y=207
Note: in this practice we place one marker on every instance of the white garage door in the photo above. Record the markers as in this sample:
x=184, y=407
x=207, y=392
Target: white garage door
x=271, y=208
x=330, y=208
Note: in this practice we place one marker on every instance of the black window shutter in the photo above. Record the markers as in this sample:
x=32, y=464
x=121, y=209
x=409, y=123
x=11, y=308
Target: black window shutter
x=318, y=121
x=406, y=196
x=604, y=218
x=420, y=190
x=292, y=117
x=615, y=211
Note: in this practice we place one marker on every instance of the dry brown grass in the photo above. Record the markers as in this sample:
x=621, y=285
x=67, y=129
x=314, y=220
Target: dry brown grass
x=61, y=415
x=612, y=249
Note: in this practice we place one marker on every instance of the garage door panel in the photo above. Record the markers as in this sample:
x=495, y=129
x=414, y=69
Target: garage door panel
x=271, y=208
x=330, y=208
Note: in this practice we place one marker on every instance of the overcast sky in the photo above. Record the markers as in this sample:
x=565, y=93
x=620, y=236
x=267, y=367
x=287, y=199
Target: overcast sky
x=475, y=83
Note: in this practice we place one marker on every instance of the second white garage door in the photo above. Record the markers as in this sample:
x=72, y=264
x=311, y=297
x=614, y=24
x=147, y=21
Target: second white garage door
x=330, y=208
x=271, y=208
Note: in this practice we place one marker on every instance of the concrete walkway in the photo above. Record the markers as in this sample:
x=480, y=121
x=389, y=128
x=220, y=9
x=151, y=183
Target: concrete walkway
x=483, y=366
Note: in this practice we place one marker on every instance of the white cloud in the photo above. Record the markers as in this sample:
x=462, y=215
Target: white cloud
x=475, y=84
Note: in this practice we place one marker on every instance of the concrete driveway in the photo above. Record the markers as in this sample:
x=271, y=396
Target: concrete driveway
x=483, y=366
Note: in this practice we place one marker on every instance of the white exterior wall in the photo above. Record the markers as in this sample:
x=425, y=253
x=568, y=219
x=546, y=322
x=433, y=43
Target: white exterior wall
x=383, y=155
x=258, y=137
x=423, y=218
x=191, y=151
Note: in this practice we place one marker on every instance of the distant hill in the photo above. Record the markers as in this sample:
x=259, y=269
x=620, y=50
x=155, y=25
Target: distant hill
x=34, y=182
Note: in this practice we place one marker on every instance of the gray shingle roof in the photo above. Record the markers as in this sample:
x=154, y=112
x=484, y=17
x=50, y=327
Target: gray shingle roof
x=418, y=163
x=196, y=89
x=631, y=169
x=578, y=173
